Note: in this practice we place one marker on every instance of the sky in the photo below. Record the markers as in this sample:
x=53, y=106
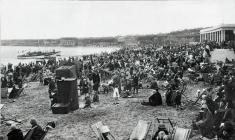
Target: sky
x=42, y=19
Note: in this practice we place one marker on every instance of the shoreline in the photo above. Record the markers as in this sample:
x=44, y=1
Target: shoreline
x=9, y=53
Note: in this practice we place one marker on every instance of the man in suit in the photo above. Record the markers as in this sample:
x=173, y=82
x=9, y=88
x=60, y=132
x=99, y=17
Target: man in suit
x=154, y=100
x=38, y=131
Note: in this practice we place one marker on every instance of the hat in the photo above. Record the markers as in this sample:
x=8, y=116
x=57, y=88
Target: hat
x=203, y=97
x=161, y=126
x=104, y=129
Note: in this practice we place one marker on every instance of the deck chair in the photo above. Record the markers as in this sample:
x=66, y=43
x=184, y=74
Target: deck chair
x=16, y=94
x=1, y=117
x=181, y=134
x=97, y=130
x=4, y=92
x=140, y=131
x=45, y=130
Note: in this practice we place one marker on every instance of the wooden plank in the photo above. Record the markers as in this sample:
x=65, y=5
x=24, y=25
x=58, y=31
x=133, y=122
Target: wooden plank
x=181, y=134
x=140, y=131
x=96, y=128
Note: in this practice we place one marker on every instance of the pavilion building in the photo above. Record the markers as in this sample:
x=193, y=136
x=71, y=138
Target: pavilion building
x=223, y=32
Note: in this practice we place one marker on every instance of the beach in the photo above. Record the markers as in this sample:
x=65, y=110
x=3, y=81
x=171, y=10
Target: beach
x=121, y=119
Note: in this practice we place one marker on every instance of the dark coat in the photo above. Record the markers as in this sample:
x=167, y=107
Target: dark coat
x=4, y=82
x=135, y=81
x=15, y=134
x=229, y=91
x=155, y=99
x=37, y=133
x=52, y=86
x=96, y=78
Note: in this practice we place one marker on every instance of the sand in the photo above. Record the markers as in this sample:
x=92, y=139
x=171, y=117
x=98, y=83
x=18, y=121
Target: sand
x=121, y=118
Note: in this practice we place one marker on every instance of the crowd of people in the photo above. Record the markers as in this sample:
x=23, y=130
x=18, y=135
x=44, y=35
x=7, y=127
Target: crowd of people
x=131, y=69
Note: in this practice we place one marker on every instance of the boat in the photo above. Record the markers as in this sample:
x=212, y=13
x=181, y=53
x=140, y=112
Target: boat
x=39, y=54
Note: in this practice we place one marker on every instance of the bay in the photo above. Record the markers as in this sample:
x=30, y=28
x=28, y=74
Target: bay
x=8, y=54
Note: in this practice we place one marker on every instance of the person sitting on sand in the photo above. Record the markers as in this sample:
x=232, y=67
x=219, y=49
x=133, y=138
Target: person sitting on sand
x=206, y=123
x=106, y=133
x=15, y=134
x=87, y=101
x=38, y=131
x=162, y=133
x=14, y=92
x=154, y=100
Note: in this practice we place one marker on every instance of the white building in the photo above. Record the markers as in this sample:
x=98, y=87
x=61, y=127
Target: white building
x=223, y=32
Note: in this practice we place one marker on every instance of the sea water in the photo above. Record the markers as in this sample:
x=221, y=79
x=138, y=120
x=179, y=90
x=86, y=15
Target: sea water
x=8, y=54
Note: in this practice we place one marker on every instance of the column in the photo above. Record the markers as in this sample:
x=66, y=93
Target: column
x=210, y=36
x=200, y=38
x=223, y=35
x=215, y=37
x=219, y=36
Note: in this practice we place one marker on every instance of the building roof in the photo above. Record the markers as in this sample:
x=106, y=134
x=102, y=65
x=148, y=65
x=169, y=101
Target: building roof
x=218, y=27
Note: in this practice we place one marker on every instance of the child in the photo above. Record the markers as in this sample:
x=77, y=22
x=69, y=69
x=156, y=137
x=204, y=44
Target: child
x=116, y=95
x=87, y=101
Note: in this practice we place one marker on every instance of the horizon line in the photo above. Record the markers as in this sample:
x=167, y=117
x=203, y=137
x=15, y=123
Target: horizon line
x=90, y=37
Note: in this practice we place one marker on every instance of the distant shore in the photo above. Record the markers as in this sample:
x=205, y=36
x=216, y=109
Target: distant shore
x=185, y=36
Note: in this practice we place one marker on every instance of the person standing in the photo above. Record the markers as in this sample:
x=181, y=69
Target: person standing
x=135, y=83
x=52, y=91
x=116, y=83
x=96, y=85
